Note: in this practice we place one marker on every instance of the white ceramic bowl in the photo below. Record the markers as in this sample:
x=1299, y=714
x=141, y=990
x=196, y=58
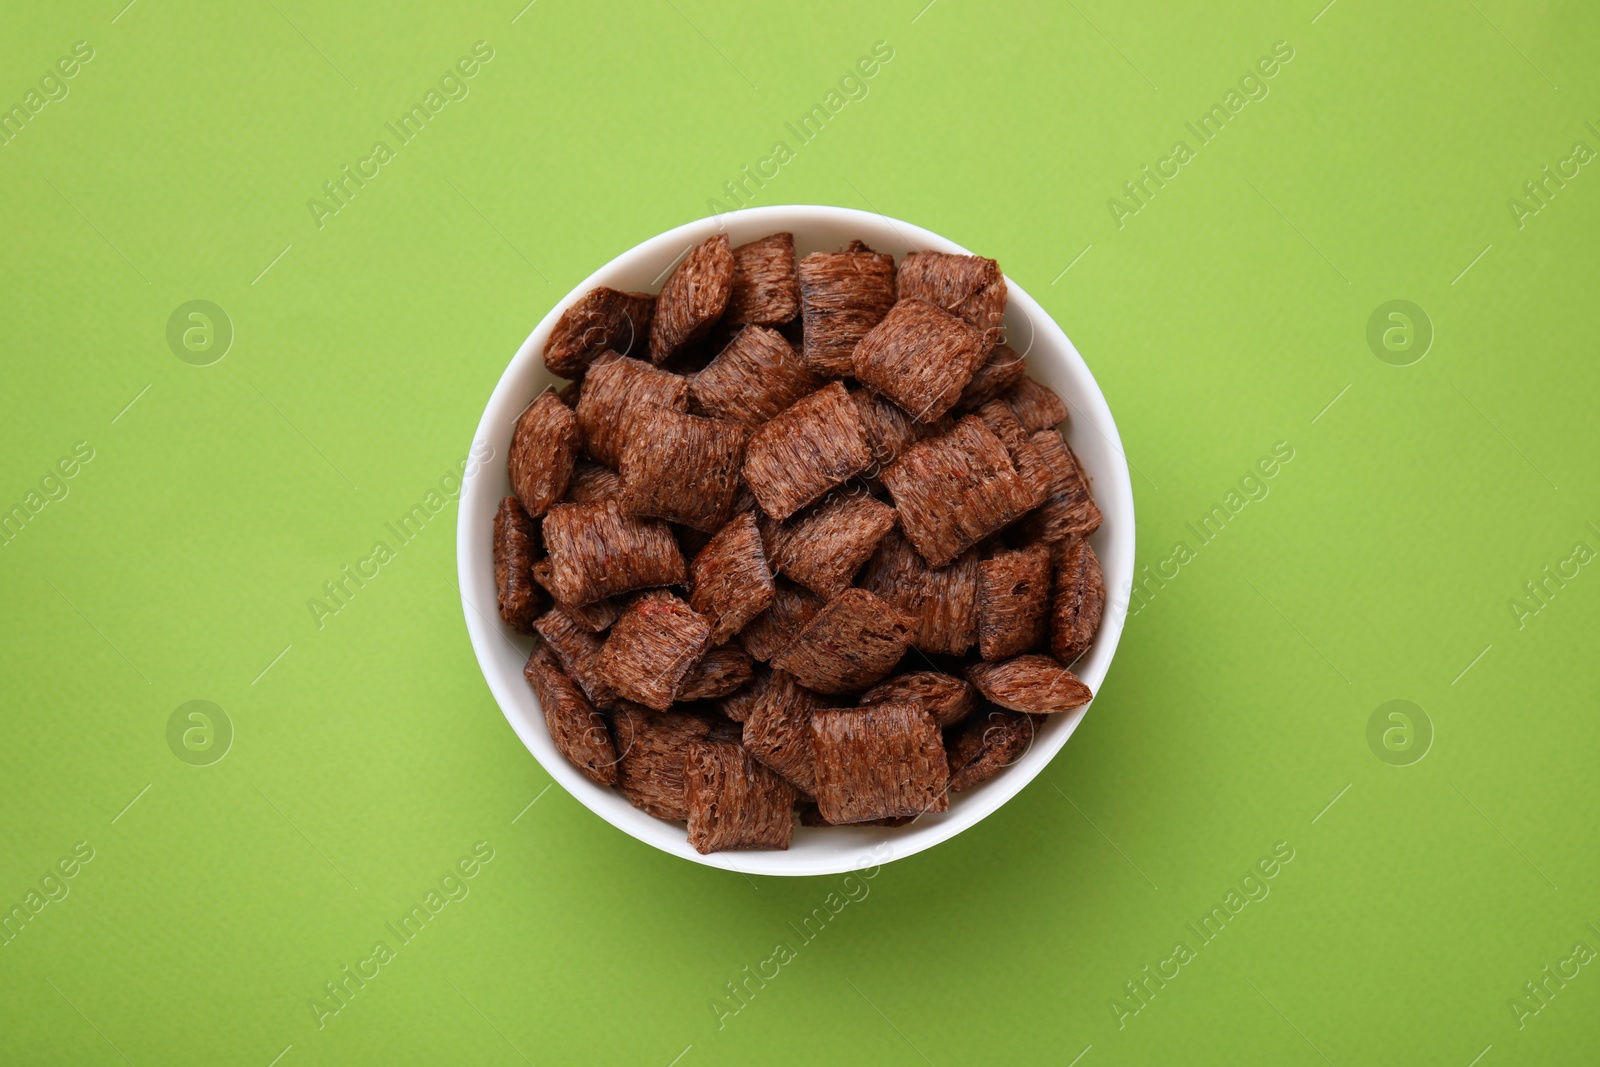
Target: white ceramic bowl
x=501, y=651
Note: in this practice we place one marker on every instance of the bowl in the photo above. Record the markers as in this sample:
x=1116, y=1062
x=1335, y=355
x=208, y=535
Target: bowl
x=501, y=651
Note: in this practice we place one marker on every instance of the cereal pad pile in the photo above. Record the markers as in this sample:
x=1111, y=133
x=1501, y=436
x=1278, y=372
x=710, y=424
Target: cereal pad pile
x=799, y=539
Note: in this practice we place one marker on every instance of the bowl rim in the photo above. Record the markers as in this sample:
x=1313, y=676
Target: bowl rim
x=871, y=846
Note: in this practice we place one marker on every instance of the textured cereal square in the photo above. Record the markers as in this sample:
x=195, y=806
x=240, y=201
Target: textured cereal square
x=1069, y=510
x=544, y=446
x=1037, y=406
x=756, y=376
x=766, y=285
x=810, y=816
x=778, y=730
x=987, y=744
x=729, y=580
x=942, y=602
x=971, y=287
x=824, y=546
x=1080, y=600
x=579, y=732
x=652, y=749
x=516, y=543
x=600, y=320
x=722, y=728
x=771, y=631
x=1035, y=472
x=616, y=390
x=739, y=704
x=682, y=468
x=577, y=651
x=734, y=802
x=953, y=490
x=595, y=617
x=801, y=453
x=1004, y=368
x=1013, y=602
x=946, y=698
x=592, y=483
x=890, y=431
x=598, y=550
x=842, y=296
x=920, y=357
x=880, y=761
x=854, y=641
x=1034, y=684
x=693, y=298
x=721, y=671
x=651, y=649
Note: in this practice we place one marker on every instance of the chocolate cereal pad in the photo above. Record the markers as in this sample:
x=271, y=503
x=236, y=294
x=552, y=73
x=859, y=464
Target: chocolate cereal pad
x=798, y=541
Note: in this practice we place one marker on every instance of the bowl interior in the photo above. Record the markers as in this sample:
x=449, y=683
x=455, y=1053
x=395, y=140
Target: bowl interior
x=501, y=652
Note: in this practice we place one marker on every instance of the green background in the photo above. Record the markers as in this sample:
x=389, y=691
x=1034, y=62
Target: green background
x=1227, y=315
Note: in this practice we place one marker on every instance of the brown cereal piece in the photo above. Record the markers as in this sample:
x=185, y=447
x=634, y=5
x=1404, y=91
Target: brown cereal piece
x=953, y=490
x=778, y=731
x=1004, y=368
x=854, y=641
x=1080, y=600
x=771, y=631
x=652, y=748
x=1037, y=406
x=652, y=648
x=576, y=650
x=721, y=671
x=971, y=287
x=1034, y=684
x=988, y=744
x=739, y=704
x=722, y=727
x=766, y=283
x=614, y=393
x=756, y=376
x=597, y=617
x=592, y=483
x=570, y=393
x=729, y=580
x=601, y=319
x=801, y=453
x=890, y=431
x=693, y=298
x=1069, y=510
x=1013, y=600
x=544, y=446
x=824, y=547
x=946, y=698
x=880, y=761
x=516, y=543
x=594, y=617
x=1036, y=474
x=943, y=602
x=919, y=356
x=598, y=550
x=842, y=296
x=735, y=802
x=682, y=468
x=579, y=732
x=810, y=816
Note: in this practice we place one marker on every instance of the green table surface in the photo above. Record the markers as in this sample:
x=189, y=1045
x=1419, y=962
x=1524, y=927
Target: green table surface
x=1432, y=895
